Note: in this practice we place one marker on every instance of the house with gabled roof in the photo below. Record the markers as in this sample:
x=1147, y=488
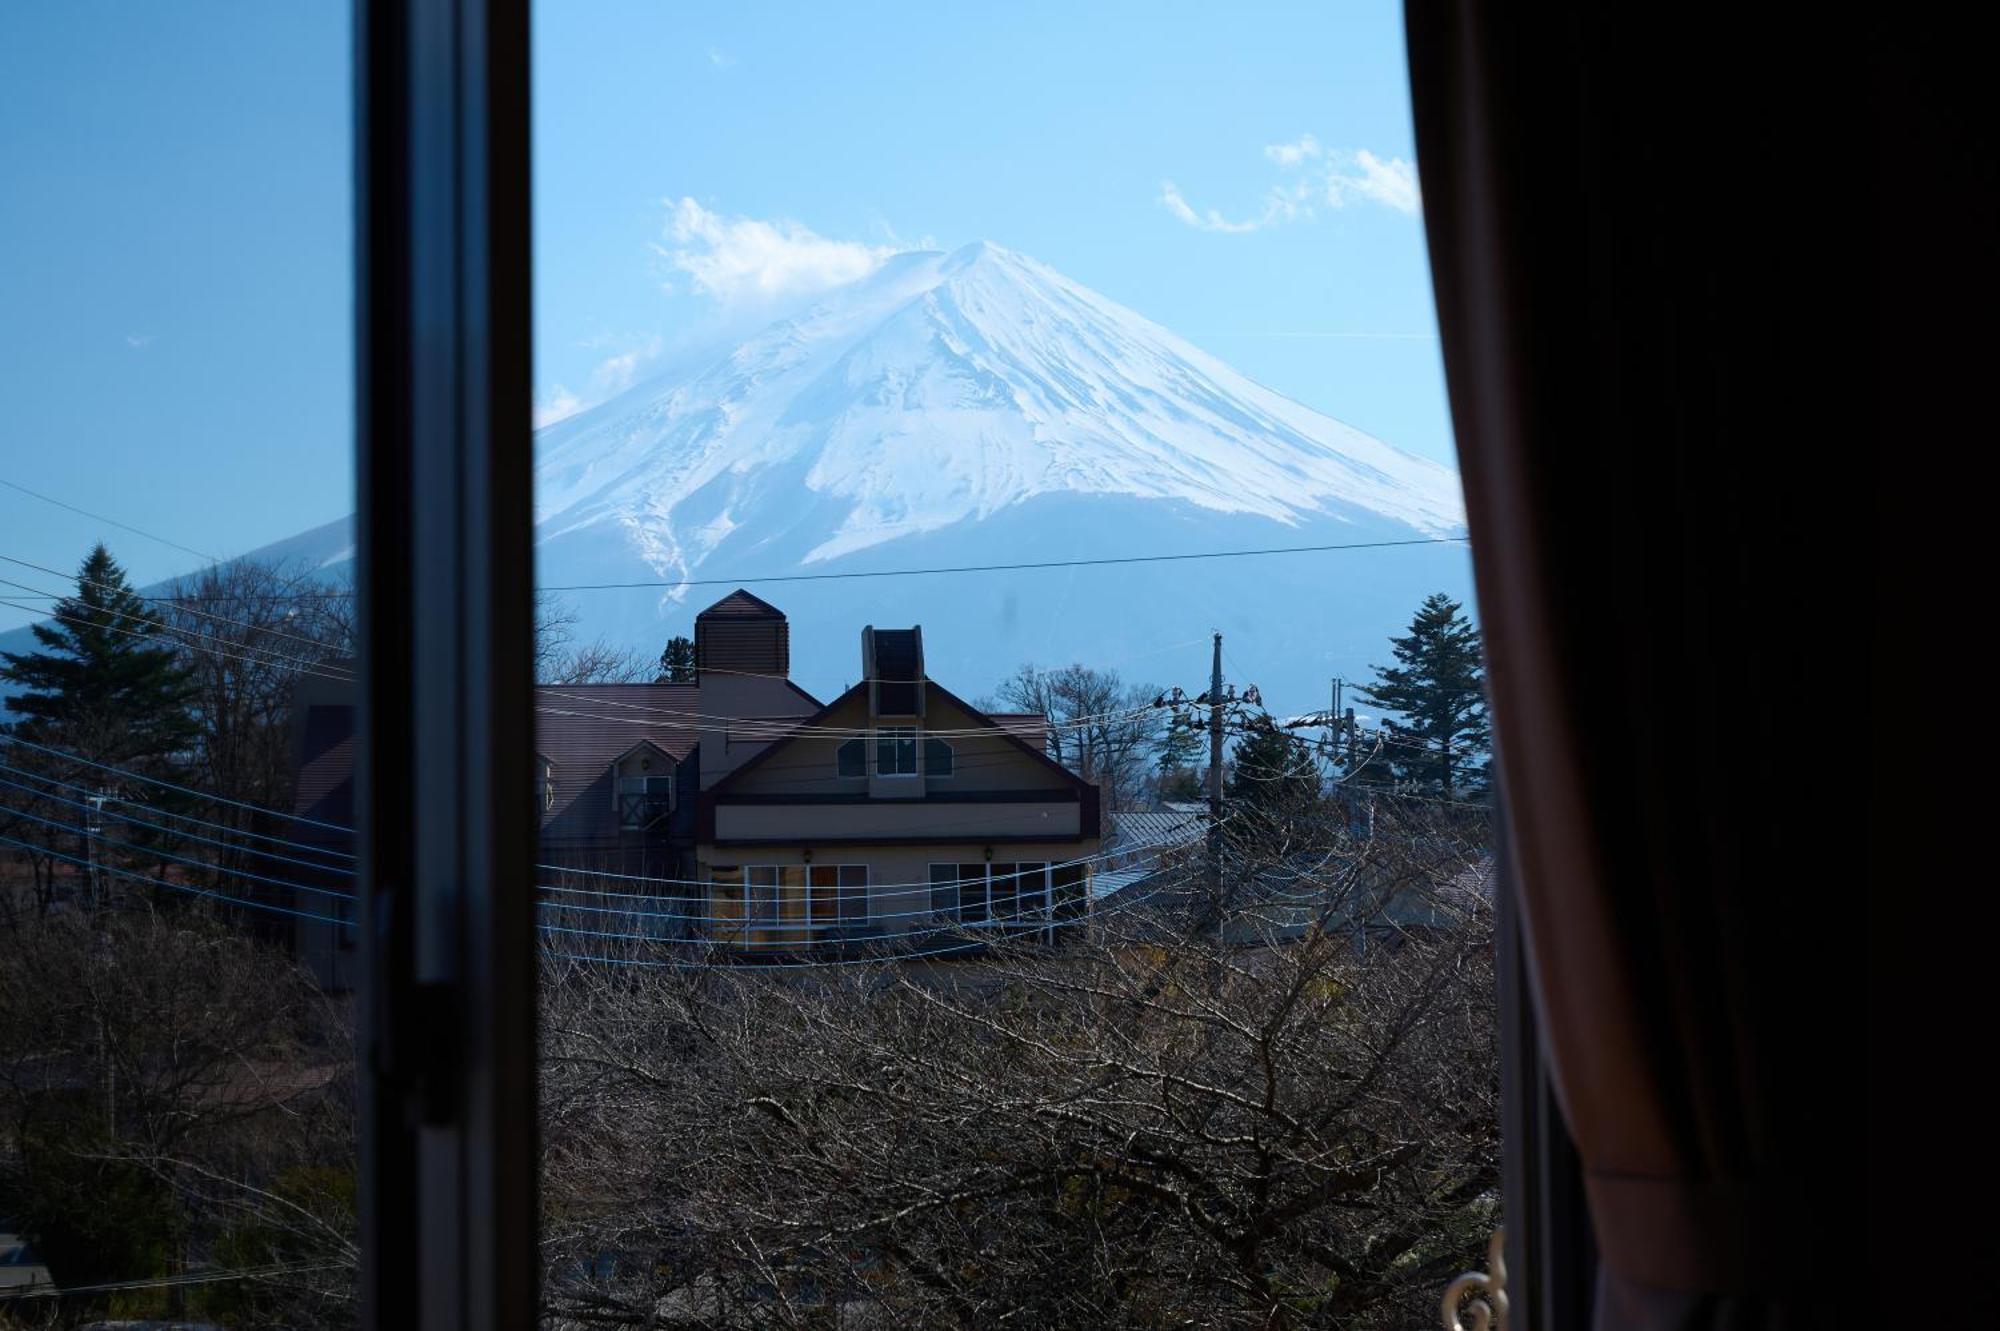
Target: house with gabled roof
x=738, y=809
x=898, y=813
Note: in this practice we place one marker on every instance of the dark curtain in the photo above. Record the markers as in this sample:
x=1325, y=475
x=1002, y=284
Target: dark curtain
x=1655, y=240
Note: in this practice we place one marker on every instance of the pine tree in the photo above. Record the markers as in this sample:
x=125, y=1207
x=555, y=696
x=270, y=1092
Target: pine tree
x=1273, y=769
x=105, y=686
x=1438, y=741
x=106, y=689
x=677, y=661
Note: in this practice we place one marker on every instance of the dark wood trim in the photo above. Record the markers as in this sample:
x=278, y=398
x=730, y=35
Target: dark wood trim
x=960, y=840
x=931, y=797
x=444, y=517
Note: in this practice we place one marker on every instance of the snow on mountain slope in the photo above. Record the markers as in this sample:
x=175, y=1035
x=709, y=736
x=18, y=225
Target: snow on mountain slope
x=947, y=388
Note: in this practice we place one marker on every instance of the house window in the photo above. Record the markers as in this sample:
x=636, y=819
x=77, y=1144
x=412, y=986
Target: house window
x=545, y=785
x=837, y=894
x=939, y=758
x=760, y=900
x=644, y=800
x=896, y=751
x=785, y=897
x=851, y=758
x=997, y=893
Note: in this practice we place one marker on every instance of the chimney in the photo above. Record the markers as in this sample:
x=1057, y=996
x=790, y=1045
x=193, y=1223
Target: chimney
x=742, y=635
x=892, y=661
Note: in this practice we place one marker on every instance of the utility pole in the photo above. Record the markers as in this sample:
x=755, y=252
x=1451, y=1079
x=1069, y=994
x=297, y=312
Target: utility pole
x=1333, y=725
x=93, y=825
x=1215, y=779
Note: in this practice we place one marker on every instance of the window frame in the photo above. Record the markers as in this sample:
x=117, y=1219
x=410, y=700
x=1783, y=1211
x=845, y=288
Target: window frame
x=886, y=735
x=959, y=880
x=448, y=1175
x=841, y=892
x=449, y=1165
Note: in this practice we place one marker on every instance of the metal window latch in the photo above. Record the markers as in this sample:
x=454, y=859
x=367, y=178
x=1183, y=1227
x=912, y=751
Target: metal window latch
x=1488, y=1310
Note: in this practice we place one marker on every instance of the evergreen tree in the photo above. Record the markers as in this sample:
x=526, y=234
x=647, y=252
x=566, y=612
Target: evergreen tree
x=1438, y=741
x=677, y=661
x=105, y=688
x=1175, y=753
x=1273, y=769
x=105, y=685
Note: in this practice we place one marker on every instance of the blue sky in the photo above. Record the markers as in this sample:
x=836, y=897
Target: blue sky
x=174, y=216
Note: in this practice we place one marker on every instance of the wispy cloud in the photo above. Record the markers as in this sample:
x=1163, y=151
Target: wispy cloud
x=555, y=404
x=719, y=60
x=1172, y=200
x=744, y=261
x=612, y=376
x=1312, y=177
x=139, y=341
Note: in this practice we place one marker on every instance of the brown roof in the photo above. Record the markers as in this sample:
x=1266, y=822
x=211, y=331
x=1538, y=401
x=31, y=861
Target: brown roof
x=741, y=604
x=1028, y=725
x=583, y=728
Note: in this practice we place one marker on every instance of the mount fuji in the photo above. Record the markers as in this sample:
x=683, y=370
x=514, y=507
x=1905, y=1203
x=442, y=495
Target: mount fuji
x=978, y=407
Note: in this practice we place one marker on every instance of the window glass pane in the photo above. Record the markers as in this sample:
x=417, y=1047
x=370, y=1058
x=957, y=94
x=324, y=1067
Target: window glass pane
x=972, y=901
x=178, y=885
x=895, y=751
x=824, y=882
x=1005, y=887
x=938, y=757
x=845, y=327
x=944, y=891
x=852, y=758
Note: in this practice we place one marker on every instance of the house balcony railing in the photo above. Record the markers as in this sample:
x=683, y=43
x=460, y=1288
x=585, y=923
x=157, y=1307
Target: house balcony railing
x=642, y=811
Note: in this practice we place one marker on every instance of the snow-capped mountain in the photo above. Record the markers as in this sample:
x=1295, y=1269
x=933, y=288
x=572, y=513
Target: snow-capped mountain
x=978, y=407
x=945, y=389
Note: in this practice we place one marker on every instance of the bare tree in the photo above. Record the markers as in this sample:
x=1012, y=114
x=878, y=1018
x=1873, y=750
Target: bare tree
x=1100, y=727
x=562, y=657
x=248, y=631
x=1287, y=1121
x=174, y=1095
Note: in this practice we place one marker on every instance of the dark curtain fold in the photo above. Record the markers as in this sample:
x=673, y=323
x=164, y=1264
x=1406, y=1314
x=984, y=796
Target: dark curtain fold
x=1649, y=234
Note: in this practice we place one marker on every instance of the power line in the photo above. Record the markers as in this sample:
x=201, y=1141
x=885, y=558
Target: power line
x=166, y=785
x=188, y=644
x=174, y=600
x=99, y=517
x=171, y=831
x=1008, y=568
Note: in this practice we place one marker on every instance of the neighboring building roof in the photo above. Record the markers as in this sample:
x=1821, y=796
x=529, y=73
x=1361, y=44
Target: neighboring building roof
x=1143, y=830
x=741, y=604
x=1031, y=726
x=582, y=729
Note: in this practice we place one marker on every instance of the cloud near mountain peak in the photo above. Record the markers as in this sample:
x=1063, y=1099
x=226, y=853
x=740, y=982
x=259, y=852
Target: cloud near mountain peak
x=740, y=262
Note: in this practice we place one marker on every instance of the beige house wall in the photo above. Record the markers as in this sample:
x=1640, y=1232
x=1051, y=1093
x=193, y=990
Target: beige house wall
x=984, y=759
x=899, y=877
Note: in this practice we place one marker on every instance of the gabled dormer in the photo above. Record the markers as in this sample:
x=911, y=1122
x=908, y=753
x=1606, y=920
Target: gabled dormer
x=643, y=782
